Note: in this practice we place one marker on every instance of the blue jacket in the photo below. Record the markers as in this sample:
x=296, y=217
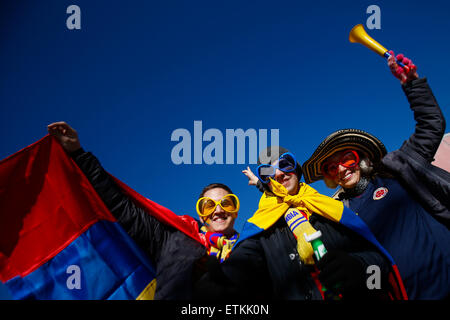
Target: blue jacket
x=418, y=243
x=410, y=215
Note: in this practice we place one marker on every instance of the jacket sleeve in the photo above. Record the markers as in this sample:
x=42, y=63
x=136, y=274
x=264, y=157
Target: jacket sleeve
x=430, y=122
x=242, y=276
x=246, y=268
x=143, y=228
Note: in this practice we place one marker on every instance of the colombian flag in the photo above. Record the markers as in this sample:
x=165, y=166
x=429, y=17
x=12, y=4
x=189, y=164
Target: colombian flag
x=57, y=238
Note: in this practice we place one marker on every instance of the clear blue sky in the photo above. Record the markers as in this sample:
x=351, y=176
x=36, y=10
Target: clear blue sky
x=138, y=70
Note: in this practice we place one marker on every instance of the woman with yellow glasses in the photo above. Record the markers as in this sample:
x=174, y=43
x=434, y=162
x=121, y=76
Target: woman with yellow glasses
x=180, y=261
x=217, y=208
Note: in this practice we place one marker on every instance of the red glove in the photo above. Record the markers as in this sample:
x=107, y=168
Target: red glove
x=406, y=73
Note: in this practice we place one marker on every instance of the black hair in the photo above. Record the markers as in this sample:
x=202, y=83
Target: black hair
x=213, y=186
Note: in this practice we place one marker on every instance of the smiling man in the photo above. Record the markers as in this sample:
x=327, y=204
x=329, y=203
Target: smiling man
x=218, y=199
x=217, y=208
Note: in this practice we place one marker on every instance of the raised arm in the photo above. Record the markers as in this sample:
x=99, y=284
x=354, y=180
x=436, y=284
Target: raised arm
x=430, y=122
x=145, y=230
x=253, y=179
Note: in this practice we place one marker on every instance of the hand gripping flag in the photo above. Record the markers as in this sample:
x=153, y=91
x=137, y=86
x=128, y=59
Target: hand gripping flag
x=57, y=238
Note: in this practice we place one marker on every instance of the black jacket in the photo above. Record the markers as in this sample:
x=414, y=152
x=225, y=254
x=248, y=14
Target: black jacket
x=411, y=164
x=174, y=255
x=267, y=266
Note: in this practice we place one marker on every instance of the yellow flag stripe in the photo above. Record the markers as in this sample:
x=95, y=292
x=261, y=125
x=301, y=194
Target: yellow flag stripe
x=149, y=292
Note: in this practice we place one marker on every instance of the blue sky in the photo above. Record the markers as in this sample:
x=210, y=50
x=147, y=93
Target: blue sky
x=138, y=70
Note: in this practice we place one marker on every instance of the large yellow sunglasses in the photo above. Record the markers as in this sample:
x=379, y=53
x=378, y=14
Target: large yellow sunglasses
x=206, y=206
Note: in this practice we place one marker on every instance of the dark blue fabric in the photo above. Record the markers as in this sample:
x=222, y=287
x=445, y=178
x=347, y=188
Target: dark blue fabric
x=416, y=241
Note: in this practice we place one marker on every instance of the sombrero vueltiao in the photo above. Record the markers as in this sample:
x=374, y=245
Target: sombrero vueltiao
x=342, y=140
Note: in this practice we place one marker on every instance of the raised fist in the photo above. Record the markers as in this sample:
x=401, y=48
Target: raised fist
x=66, y=136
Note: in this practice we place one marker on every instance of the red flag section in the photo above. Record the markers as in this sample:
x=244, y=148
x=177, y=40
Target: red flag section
x=39, y=207
x=185, y=223
x=39, y=210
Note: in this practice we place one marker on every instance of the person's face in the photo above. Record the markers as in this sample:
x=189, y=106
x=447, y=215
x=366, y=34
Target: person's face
x=346, y=177
x=220, y=220
x=288, y=179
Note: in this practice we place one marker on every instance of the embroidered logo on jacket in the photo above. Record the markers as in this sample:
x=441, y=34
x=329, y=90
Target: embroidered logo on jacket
x=380, y=193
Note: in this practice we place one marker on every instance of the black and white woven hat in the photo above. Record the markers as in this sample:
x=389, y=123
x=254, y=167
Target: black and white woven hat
x=342, y=140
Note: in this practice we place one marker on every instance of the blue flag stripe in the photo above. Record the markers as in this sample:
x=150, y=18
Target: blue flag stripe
x=107, y=262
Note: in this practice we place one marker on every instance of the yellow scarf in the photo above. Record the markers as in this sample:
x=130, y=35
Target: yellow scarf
x=272, y=206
